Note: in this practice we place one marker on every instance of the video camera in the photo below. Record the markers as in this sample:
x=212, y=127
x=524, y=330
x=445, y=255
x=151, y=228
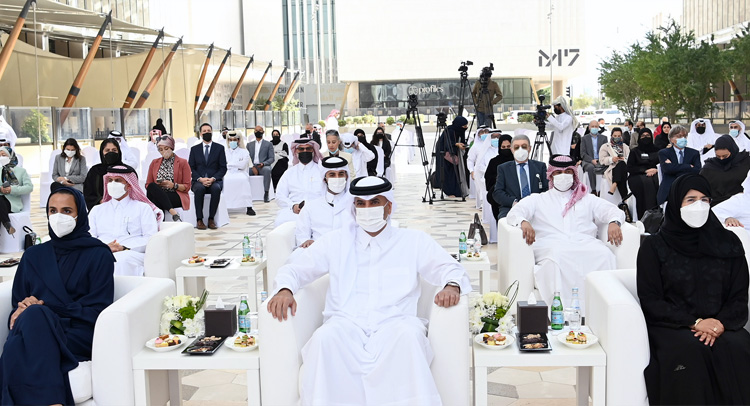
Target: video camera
x=441, y=119
x=465, y=66
x=413, y=101
x=487, y=71
x=540, y=116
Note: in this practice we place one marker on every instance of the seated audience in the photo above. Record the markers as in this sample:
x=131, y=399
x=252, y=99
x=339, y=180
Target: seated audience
x=363, y=153
x=125, y=220
x=330, y=212
x=372, y=348
x=661, y=140
x=737, y=131
x=59, y=290
x=168, y=179
x=591, y=144
x=614, y=156
x=128, y=157
x=692, y=282
x=644, y=176
x=280, y=158
x=334, y=148
x=15, y=184
x=70, y=167
x=237, y=179
x=208, y=165
x=93, y=186
x=262, y=157
x=519, y=178
x=702, y=138
x=504, y=154
x=300, y=183
x=727, y=170
x=679, y=159
x=566, y=249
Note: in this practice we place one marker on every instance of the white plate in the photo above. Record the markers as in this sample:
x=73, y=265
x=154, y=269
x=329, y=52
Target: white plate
x=186, y=263
x=509, y=340
x=482, y=256
x=590, y=340
x=230, y=343
x=150, y=344
x=248, y=263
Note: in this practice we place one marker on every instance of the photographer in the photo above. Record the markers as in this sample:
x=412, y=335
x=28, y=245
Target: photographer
x=486, y=94
x=563, y=124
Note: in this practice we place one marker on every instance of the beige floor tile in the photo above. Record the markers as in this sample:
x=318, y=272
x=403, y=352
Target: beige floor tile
x=544, y=402
x=513, y=376
x=537, y=369
x=220, y=393
x=545, y=390
x=213, y=403
x=499, y=400
x=208, y=378
x=240, y=379
x=565, y=376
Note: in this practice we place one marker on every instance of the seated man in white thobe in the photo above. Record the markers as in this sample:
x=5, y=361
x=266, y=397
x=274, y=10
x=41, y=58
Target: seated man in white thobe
x=702, y=138
x=300, y=183
x=128, y=157
x=330, y=212
x=735, y=211
x=372, y=349
x=561, y=226
x=125, y=220
x=237, y=180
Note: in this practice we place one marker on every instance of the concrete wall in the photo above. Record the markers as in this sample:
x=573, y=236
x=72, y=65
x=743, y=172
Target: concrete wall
x=710, y=16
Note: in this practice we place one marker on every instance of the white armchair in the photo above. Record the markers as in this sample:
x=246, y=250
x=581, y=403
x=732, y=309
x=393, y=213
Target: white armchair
x=120, y=332
x=167, y=248
x=516, y=259
x=615, y=316
x=280, y=359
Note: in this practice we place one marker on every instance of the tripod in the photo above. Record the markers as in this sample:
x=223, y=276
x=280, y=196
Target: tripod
x=487, y=102
x=413, y=112
x=539, y=142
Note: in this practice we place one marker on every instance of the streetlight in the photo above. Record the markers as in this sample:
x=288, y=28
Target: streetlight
x=315, y=52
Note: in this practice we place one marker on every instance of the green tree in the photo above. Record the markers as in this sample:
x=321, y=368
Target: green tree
x=583, y=101
x=738, y=54
x=34, y=125
x=546, y=93
x=618, y=81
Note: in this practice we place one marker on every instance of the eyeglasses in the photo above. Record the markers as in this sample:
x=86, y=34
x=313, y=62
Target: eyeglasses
x=691, y=199
x=162, y=138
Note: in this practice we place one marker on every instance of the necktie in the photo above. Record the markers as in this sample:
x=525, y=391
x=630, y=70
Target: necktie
x=205, y=155
x=680, y=156
x=525, y=191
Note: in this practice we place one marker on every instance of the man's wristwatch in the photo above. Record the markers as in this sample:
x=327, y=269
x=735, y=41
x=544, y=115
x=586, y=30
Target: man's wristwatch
x=454, y=284
x=616, y=222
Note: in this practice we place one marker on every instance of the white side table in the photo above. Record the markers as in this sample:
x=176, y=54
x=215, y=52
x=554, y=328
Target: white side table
x=174, y=361
x=8, y=273
x=232, y=270
x=484, y=267
x=591, y=362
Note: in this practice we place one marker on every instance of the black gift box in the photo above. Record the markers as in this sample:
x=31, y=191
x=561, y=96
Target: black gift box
x=532, y=318
x=221, y=322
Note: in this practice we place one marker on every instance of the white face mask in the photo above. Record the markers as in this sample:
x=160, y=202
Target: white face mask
x=336, y=185
x=563, y=182
x=70, y=153
x=696, y=214
x=166, y=154
x=371, y=218
x=62, y=224
x=4, y=160
x=116, y=189
x=521, y=155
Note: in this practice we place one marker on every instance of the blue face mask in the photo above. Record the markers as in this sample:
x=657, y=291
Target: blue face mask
x=233, y=144
x=594, y=130
x=334, y=152
x=734, y=132
x=681, y=142
x=348, y=150
x=483, y=136
x=495, y=142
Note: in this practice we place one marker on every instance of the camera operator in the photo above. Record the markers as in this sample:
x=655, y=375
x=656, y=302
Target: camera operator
x=487, y=94
x=563, y=124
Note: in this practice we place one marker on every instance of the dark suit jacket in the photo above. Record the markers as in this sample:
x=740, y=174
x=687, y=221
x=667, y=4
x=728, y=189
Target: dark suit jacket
x=671, y=171
x=216, y=167
x=508, y=189
x=587, y=146
x=265, y=155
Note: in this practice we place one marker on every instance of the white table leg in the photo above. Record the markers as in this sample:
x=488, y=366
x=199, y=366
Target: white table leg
x=140, y=384
x=253, y=387
x=480, y=386
x=599, y=386
x=265, y=278
x=200, y=284
x=583, y=384
x=175, y=388
x=484, y=281
x=252, y=291
x=180, y=285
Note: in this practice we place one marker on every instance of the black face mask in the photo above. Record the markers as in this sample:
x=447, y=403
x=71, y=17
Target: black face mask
x=111, y=158
x=506, y=154
x=700, y=130
x=305, y=157
x=259, y=134
x=559, y=110
x=645, y=142
x=206, y=137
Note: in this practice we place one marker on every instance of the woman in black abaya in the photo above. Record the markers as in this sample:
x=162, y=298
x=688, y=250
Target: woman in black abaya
x=727, y=170
x=450, y=159
x=643, y=177
x=692, y=282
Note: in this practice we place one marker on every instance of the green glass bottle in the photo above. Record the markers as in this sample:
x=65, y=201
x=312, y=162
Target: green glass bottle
x=243, y=318
x=558, y=320
x=462, y=247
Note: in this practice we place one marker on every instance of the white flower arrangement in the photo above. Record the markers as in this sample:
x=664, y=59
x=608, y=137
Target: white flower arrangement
x=183, y=315
x=489, y=312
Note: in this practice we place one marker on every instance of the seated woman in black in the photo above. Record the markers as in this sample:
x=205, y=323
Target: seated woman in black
x=727, y=170
x=692, y=282
x=93, y=186
x=643, y=177
x=59, y=290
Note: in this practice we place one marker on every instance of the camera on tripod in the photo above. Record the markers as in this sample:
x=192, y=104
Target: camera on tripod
x=465, y=66
x=540, y=117
x=413, y=101
x=441, y=119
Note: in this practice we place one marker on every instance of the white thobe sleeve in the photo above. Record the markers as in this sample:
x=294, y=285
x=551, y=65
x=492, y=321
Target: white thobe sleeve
x=438, y=267
x=282, y=192
x=306, y=267
x=367, y=155
x=731, y=207
x=93, y=222
x=522, y=210
x=560, y=122
x=149, y=228
x=303, y=226
x=472, y=157
x=606, y=212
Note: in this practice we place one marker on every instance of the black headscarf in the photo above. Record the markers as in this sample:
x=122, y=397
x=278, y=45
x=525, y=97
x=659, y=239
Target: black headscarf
x=735, y=156
x=119, y=152
x=459, y=132
x=646, y=144
x=712, y=239
x=506, y=155
x=79, y=238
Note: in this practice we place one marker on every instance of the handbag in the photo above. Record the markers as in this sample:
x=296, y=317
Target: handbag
x=29, y=239
x=477, y=226
x=451, y=158
x=652, y=220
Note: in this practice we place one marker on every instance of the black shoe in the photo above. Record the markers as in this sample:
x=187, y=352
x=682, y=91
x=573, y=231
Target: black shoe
x=265, y=197
x=176, y=217
x=250, y=211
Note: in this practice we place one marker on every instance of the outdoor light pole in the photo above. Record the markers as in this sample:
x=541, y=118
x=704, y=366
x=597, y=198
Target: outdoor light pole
x=316, y=52
x=551, y=81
